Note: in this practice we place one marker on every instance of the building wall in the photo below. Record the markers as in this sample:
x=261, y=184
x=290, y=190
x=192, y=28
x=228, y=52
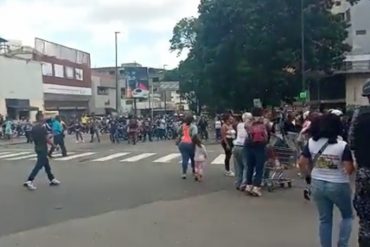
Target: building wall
x=99, y=103
x=20, y=79
x=354, y=84
x=358, y=18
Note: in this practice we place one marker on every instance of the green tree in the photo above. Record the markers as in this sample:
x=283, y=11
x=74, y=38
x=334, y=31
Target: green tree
x=242, y=50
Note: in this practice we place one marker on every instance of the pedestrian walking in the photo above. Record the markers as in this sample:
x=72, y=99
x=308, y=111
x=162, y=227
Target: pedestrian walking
x=78, y=131
x=359, y=136
x=218, y=125
x=200, y=158
x=228, y=135
x=256, y=142
x=40, y=138
x=94, y=130
x=240, y=162
x=186, y=147
x=332, y=164
x=8, y=128
x=58, y=136
x=27, y=131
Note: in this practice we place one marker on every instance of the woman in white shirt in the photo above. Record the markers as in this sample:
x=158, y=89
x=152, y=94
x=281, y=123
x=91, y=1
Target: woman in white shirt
x=332, y=165
x=240, y=162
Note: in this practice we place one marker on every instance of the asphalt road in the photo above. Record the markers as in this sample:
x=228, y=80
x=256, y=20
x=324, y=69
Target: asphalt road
x=134, y=199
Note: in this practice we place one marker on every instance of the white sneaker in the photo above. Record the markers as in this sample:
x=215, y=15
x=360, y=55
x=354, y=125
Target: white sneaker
x=30, y=185
x=54, y=182
x=229, y=174
x=249, y=189
x=183, y=176
x=257, y=191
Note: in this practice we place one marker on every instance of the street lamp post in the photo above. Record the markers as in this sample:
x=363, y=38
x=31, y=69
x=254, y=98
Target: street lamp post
x=303, y=48
x=118, y=88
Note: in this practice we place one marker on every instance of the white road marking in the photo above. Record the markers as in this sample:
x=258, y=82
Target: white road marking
x=55, y=155
x=167, y=158
x=2, y=153
x=138, y=157
x=13, y=155
x=23, y=157
x=219, y=160
x=110, y=157
x=71, y=157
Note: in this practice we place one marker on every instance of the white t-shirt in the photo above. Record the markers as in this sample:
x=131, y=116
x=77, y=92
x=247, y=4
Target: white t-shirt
x=329, y=166
x=218, y=124
x=241, y=135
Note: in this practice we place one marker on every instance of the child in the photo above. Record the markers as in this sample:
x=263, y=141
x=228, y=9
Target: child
x=200, y=158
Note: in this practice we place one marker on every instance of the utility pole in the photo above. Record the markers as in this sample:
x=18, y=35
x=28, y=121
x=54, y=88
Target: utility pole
x=303, y=48
x=118, y=88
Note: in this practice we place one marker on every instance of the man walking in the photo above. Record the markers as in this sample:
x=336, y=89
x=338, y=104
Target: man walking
x=58, y=134
x=40, y=138
x=359, y=137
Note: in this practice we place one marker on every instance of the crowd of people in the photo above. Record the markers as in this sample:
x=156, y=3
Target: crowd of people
x=332, y=147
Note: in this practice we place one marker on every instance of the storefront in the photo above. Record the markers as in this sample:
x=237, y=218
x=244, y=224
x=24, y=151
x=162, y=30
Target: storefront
x=69, y=102
x=19, y=108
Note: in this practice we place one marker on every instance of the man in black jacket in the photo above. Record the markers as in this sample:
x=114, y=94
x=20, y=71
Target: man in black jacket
x=359, y=138
x=40, y=138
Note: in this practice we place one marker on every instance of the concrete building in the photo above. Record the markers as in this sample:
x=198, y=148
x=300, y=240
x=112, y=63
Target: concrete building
x=148, y=77
x=66, y=74
x=21, y=87
x=358, y=18
x=344, y=87
x=103, y=99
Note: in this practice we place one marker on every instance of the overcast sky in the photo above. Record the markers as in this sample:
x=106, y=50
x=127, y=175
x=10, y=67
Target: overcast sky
x=145, y=26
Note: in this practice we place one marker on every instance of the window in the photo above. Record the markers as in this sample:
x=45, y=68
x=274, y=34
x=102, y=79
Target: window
x=112, y=72
x=79, y=74
x=47, y=69
x=348, y=15
x=70, y=73
x=102, y=91
x=360, y=32
x=155, y=79
x=341, y=16
x=59, y=70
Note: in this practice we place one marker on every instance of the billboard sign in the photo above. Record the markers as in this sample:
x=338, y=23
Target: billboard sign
x=137, y=82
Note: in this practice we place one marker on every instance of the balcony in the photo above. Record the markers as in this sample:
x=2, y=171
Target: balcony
x=354, y=64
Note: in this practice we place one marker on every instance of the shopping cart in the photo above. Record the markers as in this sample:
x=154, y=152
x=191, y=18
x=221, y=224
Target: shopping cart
x=283, y=153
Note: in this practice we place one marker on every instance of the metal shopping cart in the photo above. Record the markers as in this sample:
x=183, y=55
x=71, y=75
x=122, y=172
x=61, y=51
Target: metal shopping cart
x=283, y=153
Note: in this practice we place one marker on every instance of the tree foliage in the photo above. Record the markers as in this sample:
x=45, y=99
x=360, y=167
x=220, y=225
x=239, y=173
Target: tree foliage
x=240, y=50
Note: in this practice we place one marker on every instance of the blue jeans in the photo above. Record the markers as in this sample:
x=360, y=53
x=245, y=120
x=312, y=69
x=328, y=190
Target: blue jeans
x=187, y=153
x=42, y=162
x=256, y=158
x=326, y=195
x=240, y=166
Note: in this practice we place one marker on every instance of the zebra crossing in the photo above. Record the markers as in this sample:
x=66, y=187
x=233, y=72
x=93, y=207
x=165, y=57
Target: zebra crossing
x=96, y=157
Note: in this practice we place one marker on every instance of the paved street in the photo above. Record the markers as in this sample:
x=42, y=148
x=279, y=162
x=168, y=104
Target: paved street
x=121, y=195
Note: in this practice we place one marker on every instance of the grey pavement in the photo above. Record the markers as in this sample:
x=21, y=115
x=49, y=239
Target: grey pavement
x=145, y=203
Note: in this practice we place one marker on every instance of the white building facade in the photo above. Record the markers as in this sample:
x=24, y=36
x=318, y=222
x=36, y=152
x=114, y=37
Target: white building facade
x=21, y=87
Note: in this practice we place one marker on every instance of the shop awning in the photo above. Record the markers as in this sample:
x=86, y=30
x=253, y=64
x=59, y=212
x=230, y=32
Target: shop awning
x=23, y=108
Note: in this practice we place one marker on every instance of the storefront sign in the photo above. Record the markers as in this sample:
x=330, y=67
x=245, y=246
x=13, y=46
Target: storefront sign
x=59, y=89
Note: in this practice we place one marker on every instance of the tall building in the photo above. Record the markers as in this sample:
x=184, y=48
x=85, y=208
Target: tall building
x=344, y=88
x=358, y=18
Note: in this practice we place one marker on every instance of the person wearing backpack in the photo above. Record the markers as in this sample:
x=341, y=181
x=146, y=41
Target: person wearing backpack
x=359, y=139
x=255, y=143
x=186, y=133
x=329, y=162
